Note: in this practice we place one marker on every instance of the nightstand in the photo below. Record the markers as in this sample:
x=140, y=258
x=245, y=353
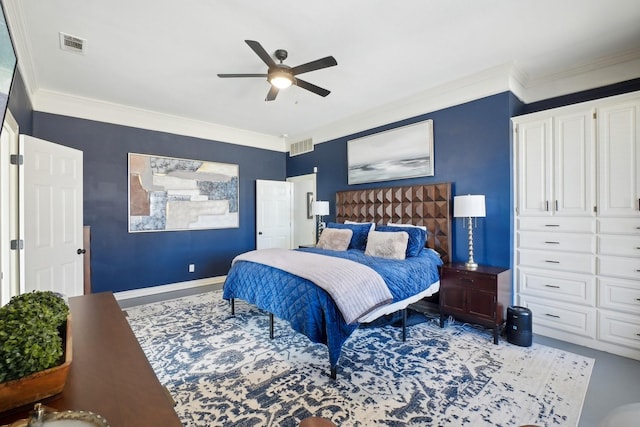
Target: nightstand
x=478, y=296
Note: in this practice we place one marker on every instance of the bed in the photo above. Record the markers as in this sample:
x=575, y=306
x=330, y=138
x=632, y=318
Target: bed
x=311, y=307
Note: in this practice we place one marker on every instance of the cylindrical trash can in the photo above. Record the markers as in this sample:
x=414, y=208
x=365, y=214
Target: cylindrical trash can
x=519, y=326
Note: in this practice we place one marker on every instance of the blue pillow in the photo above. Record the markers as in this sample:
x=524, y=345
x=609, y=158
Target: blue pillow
x=360, y=233
x=417, y=237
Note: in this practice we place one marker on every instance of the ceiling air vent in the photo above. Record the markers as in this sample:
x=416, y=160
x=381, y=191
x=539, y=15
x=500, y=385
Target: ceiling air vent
x=301, y=147
x=71, y=43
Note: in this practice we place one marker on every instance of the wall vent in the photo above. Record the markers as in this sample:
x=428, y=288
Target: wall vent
x=301, y=147
x=71, y=43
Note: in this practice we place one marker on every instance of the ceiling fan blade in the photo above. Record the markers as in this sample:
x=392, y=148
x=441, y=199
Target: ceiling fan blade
x=312, y=88
x=273, y=92
x=318, y=64
x=241, y=75
x=259, y=50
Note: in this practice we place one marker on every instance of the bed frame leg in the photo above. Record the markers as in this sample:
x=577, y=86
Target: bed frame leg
x=233, y=306
x=334, y=372
x=271, y=321
x=404, y=325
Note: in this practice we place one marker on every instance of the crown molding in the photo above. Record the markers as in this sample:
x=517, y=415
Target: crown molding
x=92, y=109
x=605, y=71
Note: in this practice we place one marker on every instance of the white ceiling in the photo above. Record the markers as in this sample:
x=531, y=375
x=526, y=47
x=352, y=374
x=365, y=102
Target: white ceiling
x=154, y=62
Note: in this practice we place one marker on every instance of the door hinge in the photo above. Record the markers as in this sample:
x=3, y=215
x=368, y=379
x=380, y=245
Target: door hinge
x=595, y=209
x=595, y=115
x=17, y=244
x=16, y=159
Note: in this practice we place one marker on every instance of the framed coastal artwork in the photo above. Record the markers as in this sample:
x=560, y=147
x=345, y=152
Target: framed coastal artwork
x=170, y=194
x=404, y=152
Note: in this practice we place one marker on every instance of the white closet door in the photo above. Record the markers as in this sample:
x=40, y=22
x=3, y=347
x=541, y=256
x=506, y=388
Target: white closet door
x=574, y=183
x=534, y=151
x=619, y=159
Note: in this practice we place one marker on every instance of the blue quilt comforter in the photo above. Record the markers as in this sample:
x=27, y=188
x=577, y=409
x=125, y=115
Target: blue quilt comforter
x=308, y=308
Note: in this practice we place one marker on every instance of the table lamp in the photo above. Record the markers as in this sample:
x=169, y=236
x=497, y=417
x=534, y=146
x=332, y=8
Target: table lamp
x=319, y=208
x=469, y=206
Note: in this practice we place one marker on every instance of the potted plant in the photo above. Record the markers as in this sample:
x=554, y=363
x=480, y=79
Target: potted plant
x=33, y=360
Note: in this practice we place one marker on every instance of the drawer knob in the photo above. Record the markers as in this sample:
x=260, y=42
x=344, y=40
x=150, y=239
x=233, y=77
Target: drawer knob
x=557, y=243
x=555, y=287
x=552, y=315
x=557, y=225
x=552, y=262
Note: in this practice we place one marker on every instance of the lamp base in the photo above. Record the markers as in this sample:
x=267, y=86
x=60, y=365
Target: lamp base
x=471, y=265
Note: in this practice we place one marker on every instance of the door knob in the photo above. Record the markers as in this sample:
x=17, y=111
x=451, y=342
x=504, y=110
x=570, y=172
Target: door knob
x=260, y=233
x=81, y=251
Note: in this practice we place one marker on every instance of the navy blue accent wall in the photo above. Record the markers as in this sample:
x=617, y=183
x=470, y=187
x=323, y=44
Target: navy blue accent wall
x=124, y=261
x=472, y=148
x=20, y=104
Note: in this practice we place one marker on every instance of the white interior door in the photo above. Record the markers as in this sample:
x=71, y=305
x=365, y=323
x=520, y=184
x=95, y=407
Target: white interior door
x=274, y=214
x=5, y=285
x=304, y=229
x=52, y=217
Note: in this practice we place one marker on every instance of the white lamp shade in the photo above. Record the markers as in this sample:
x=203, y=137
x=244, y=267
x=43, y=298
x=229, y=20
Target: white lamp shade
x=469, y=206
x=320, y=208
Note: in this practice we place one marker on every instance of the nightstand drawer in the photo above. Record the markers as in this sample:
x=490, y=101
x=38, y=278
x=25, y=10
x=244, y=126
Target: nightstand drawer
x=463, y=278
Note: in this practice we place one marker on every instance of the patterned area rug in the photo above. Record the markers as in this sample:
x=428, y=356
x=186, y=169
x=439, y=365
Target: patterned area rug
x=225, y=371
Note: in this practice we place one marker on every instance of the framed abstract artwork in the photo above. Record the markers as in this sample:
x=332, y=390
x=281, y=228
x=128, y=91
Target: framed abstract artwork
x=404, y=152
x=170, y=194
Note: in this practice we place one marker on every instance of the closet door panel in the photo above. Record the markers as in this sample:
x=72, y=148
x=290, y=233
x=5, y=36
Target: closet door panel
x=619, y=159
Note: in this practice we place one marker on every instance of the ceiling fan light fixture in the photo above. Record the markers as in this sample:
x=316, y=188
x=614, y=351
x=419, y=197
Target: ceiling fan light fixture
x=281, y=79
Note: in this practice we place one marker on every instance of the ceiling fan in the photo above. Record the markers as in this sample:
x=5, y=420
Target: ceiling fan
x=281, y=76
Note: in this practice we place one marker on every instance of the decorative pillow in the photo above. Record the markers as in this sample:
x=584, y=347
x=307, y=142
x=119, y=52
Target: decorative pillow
x=391, y=224
x=334, y=239
x=387, y=244
x=417, y=237
x=360, y=231
x=372, y=224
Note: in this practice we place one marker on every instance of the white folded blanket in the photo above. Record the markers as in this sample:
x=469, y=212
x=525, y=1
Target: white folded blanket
x=355, y=288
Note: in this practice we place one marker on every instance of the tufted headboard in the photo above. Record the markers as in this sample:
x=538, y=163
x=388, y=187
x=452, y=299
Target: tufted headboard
x=416, y=204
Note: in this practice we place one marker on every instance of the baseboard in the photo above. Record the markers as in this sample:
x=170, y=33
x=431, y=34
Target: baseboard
x=154, y=290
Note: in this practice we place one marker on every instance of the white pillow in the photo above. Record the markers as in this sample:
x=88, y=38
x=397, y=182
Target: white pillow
x=373, y=224
x=390, y=224
x=387, y=245
x=335, y=239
